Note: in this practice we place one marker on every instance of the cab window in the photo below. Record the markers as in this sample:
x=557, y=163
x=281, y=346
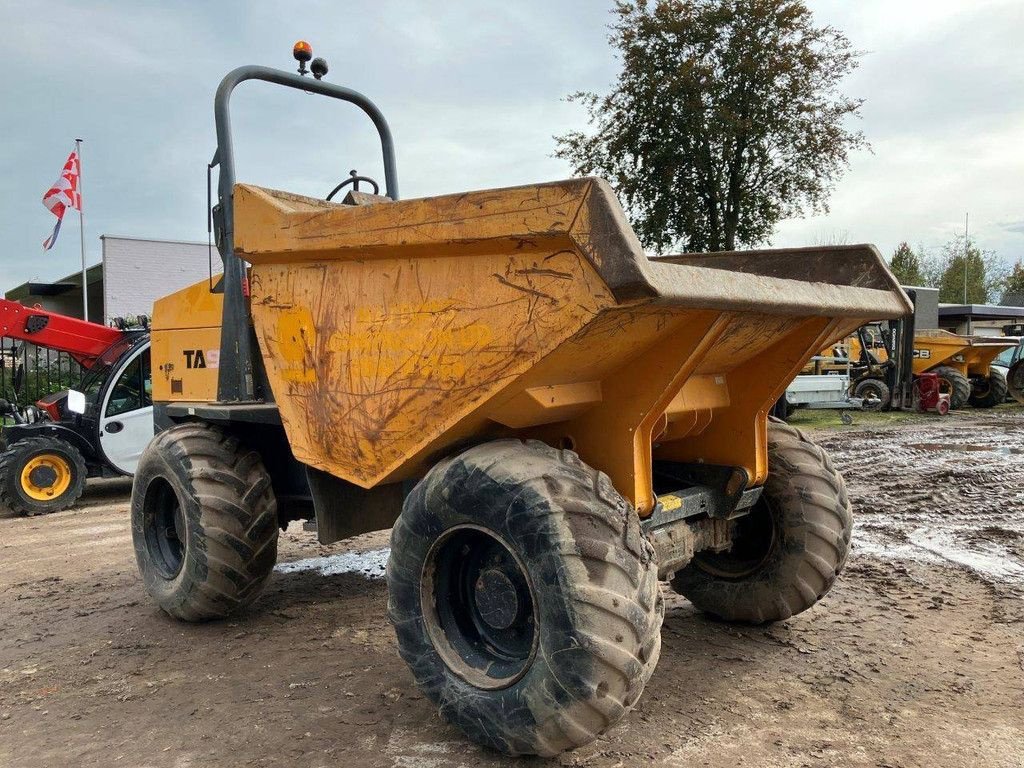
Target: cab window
x=1006, y=357
x=133, y=388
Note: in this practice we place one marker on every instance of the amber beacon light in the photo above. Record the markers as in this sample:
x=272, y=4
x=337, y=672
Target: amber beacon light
x=303, y=52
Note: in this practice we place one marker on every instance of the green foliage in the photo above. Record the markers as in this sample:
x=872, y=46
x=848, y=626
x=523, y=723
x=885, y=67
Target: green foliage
x=725, y=119
x=1014, y=288
x=906, y=266
x=986, y=274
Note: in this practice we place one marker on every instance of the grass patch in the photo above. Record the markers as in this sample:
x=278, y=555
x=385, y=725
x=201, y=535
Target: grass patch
x=811, y=419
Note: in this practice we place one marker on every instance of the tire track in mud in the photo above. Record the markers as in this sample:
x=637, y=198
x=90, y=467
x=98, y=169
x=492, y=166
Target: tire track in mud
x=948, y=490
x=902, y=664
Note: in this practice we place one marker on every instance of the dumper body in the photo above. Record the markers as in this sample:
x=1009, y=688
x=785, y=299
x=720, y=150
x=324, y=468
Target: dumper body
x=393, y=331
x=971, y=355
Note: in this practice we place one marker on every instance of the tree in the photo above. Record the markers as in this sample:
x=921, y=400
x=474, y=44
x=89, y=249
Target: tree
x=725, y=119
x=986, y=274
x=1013, y=294
x=906, y=266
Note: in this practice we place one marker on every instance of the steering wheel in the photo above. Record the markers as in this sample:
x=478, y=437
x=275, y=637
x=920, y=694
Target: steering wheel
x=354, y=178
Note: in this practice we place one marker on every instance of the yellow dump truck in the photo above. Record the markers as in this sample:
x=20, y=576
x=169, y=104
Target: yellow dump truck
x=551, y=422
x=964, y=366
x=962, y=363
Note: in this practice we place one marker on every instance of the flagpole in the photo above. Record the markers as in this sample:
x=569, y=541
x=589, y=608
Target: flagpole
x=81, y=232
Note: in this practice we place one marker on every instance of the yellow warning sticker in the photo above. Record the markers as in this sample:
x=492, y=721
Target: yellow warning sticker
x=670, y=502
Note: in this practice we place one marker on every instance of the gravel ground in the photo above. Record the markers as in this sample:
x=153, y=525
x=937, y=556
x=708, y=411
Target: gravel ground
x=916, y=658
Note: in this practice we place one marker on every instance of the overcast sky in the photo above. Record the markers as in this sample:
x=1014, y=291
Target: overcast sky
x=474, y=92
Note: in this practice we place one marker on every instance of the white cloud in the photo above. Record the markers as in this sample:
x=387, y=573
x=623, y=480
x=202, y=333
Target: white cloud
x=474, y=92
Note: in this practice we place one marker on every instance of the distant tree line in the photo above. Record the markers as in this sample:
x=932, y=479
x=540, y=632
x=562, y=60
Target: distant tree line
x=729, y=116
x=988, y=278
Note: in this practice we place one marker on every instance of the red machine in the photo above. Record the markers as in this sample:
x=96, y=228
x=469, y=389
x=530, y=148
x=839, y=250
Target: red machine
x=927, y=394
x=45, y=460
x=83, y=340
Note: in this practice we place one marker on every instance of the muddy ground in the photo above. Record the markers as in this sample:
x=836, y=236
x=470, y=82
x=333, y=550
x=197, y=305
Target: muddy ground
x=916, y=658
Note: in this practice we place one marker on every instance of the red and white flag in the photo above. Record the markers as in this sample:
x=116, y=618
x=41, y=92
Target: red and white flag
x=64, y=194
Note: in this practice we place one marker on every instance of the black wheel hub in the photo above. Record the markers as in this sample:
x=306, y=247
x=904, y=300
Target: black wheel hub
x=43, y=477
x=165, y=528
x=496, y=598
x=753, y=540
x=479, y=608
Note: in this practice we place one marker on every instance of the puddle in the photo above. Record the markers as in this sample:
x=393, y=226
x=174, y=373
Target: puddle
x=370, y=564
x=993, y=563
x=989, y=560
x=1003, y=450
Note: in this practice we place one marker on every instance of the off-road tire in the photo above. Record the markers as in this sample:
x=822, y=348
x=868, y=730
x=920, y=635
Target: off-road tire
x=1015, y=381
x=992, y=393
x=217, y=495
x=594, y=586
x=811, y=521
x=876, y=387
x=957, y=385
x=14, y=459
x=782, y=409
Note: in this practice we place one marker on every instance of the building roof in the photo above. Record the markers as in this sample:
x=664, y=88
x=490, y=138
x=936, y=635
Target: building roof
x=72, y=282
x=153, y=240
x=980, y=311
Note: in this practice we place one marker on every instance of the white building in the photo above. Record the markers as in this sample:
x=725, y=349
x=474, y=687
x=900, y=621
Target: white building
x=134, y=272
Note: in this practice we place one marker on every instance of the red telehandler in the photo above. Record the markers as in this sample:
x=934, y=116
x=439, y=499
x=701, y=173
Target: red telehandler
x=100, y=430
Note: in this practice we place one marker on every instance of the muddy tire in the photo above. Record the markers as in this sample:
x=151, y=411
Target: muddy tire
x=204, y=523
x=873, y=389
x=782, y=410
x=1015, y=381
x=39, y=475
x=524, y=597
x=955, y=384
x=990, y=391
x=787, y=552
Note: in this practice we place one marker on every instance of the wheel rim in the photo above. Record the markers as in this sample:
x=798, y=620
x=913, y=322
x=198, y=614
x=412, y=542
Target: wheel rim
x=753, y=541
x=46, y=477
x=946, y=387
x=872, y=392
x=164, y=524
x=479, y=607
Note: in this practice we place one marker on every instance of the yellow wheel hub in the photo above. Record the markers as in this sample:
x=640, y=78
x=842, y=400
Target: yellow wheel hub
x=46, y=477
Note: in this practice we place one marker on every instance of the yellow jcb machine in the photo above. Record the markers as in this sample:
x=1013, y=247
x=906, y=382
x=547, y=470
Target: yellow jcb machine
x=551, y=422
x=963, y=364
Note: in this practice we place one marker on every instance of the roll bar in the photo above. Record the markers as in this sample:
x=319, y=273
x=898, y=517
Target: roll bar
x=235, y=375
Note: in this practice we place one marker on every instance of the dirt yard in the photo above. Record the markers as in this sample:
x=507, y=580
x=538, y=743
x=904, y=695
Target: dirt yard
x=916, y=658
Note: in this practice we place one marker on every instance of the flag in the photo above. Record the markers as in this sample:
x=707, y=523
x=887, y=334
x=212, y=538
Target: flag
x=62, y=195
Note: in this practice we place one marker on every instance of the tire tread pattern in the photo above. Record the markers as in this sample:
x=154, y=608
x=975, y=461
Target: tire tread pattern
x=813, y=528
x=13, y=458
x=608, y=577
x=996, y=394
x=231, y=514
x=959, y=383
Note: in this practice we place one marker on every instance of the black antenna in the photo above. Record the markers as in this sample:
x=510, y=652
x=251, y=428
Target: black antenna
x=209, y=222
